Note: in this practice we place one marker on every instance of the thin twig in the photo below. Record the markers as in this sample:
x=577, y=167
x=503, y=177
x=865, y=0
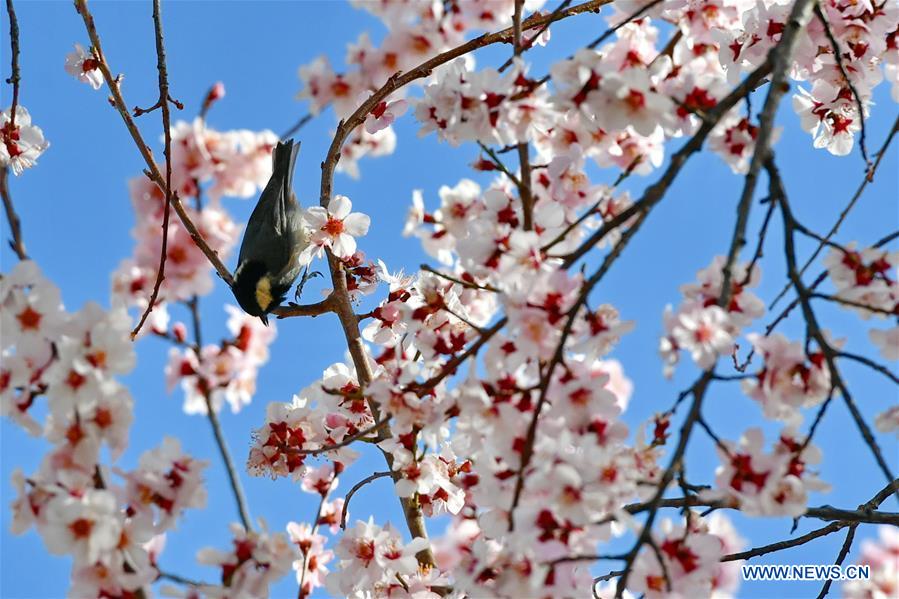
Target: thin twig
x=212, y=416
x=15, y=75
x=180, y=579
x=317, y=309
x=870, y=364
x=352, y=491
x=537, y=35
x=296, y=126
x=853, y=304
x=498, y=164
x=760, y=247
x=844, y=551
x=458, y=281
x=15, y=225
x=612, y=30
x=781, y=545
x=163, y=104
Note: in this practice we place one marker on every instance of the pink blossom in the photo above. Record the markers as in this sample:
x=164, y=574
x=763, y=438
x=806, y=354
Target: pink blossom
x=384, y=114
x=335, y=228
x=83, y=66
x=21, y=143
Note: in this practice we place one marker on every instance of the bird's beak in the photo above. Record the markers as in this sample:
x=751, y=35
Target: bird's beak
x=264, y=319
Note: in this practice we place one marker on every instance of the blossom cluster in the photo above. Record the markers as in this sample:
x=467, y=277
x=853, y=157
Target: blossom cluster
x=70, y=362
x=866, y=282
x=224, y=372
x=768, y=484
x=691, y=553
x=256, y=559
x=703, y=327
x=320, y=416
x=416, y=32
x=789, y=379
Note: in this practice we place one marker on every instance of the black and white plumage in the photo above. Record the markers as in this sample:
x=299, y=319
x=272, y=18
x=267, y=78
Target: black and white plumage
x=267, y=265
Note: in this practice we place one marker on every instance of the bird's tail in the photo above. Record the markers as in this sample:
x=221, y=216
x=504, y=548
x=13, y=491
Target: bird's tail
x=284, y=159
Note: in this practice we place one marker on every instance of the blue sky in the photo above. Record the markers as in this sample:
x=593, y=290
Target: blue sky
x=76, y=219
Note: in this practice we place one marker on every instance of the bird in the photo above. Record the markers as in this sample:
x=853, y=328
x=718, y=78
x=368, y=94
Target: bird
x=268, y=264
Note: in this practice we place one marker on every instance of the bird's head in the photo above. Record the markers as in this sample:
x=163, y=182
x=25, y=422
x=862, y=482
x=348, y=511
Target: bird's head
x=255, y=291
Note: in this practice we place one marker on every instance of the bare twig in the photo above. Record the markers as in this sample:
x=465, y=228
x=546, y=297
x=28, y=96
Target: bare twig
x=869, y=363
x=781, y=545
x=15, y=225
x=540, y=32
x=212, y=416
x=853, y=304
x=163, y=104
x=458, y=281
x=180, y=579
x=760, y=247
x=296, y=126
x=15, y=76
x=352, y=491
x=498, y=164
x=844, y=551
x=613, y=30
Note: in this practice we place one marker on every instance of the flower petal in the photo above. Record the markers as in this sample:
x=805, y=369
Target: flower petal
x=356, y=224
x=340, y=206
x=344, y=246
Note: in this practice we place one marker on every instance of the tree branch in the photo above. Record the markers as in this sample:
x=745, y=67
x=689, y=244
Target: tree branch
x=163, y=104
x=212, y=416
x=15, y=75
x=356, y=487
x=15, y=225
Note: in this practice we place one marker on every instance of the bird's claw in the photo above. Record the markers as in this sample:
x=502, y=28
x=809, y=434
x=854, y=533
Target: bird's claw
x=306, y=276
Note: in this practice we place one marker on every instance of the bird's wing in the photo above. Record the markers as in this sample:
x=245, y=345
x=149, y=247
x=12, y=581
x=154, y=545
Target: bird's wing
x=271, y=227
x=284, y=159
